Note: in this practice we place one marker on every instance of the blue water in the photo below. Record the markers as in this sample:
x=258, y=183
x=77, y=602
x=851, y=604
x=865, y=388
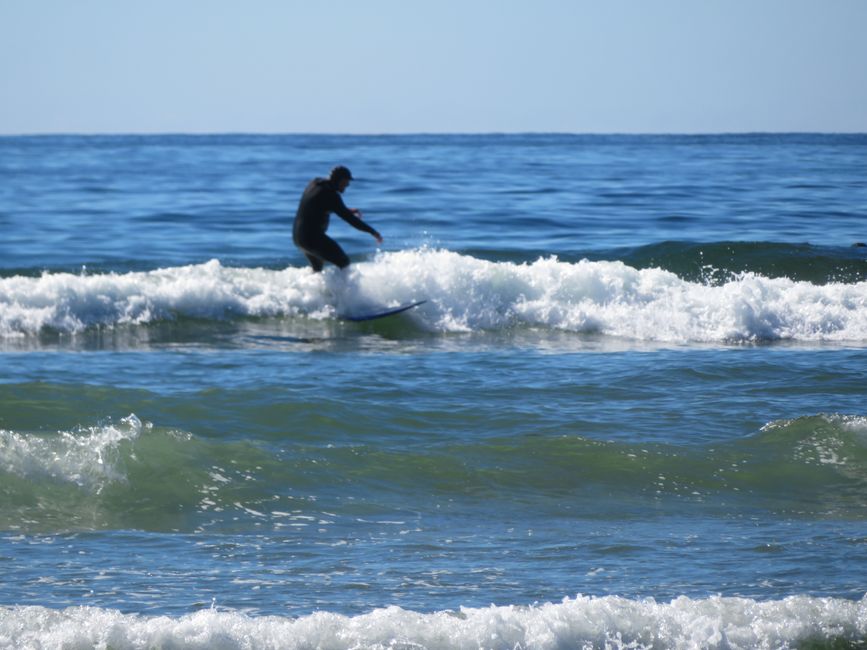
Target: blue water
x=631, y=412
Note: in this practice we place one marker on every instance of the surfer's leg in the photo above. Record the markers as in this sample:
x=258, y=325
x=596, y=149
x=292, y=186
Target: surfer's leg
x=315, y=262
x=330, y=251
x=324, y=249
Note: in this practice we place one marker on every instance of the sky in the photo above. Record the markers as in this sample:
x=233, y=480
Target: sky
x=441, y=66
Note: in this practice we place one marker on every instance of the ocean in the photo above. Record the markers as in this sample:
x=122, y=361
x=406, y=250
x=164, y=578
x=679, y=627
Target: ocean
x=631, y=414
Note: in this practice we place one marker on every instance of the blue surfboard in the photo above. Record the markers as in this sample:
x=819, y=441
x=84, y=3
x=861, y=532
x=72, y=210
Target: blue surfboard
x=382, y=314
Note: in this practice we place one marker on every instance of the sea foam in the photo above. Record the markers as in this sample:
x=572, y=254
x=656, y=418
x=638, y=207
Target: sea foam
x=463, y=293
x=580, y=622
x=87, y=458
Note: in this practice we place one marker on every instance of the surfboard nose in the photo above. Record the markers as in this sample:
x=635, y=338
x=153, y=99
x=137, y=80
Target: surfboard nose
x=382, y=314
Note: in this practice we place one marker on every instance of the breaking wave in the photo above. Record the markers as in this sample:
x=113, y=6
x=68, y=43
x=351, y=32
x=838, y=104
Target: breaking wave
x=463, y=293
x=580, y=622
x=134, y=475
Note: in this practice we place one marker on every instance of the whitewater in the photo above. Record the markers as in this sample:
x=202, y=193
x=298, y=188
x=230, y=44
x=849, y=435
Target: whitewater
x=580, y=622
x=464, y=294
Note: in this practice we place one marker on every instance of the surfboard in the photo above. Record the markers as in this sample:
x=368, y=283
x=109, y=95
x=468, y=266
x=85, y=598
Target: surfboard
x=382, y=314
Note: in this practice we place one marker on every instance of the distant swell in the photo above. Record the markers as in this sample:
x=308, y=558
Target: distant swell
x=580, y=622
x=464, y=294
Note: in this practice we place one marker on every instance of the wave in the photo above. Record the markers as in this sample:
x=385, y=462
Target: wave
x=134, y=475
x=127, y=474
x=463, y=293
x=720, y=262
x=580, y=622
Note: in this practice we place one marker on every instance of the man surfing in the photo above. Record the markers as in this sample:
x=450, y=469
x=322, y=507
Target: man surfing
x=320, y=199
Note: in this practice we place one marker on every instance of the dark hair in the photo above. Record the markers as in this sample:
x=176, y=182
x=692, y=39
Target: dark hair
x=340, y=172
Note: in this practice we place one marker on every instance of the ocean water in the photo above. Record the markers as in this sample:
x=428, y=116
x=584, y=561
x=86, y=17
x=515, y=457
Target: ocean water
x=631, y=414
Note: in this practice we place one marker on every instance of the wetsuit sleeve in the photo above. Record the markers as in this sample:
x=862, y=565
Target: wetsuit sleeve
x=339, y=208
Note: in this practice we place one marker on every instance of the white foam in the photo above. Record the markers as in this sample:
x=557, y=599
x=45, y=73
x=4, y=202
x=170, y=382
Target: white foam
x=88, y=458
x=581, y=622
x=464, y=294
x=614, y=299
x=71, y=303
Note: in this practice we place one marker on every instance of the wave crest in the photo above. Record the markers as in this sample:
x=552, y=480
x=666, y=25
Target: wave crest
x=580, y=622
x=463, y=293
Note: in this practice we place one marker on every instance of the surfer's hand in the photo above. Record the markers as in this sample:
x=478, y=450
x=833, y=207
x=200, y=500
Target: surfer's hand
x=356, y=212
x=377, y=237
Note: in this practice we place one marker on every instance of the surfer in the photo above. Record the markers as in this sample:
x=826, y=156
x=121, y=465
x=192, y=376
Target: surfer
x=320, y=199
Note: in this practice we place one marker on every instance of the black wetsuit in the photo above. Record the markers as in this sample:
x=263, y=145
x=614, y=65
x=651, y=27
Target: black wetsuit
x=319, y=200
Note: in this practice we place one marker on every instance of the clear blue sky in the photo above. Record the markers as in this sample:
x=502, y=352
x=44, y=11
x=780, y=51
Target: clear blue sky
x=397, y=66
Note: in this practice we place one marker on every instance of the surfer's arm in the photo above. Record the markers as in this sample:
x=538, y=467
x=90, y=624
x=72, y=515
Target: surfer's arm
x=353, y=218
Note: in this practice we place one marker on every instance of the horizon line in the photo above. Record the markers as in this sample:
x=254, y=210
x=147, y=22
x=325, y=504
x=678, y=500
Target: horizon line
x=374, y=134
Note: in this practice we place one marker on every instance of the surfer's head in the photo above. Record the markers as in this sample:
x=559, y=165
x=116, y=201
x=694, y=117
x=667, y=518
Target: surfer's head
x=341, y=176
